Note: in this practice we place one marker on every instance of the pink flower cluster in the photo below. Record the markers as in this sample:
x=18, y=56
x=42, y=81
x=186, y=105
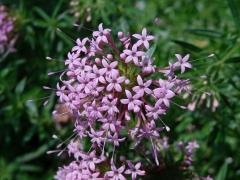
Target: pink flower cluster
x=6, y=29
x=85, y=166
x=113, y=89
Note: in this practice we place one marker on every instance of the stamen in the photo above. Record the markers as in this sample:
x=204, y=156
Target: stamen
x=56, y=72
x=81, y=26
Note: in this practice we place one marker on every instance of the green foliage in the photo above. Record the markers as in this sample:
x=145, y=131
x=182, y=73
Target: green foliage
x=45, y=28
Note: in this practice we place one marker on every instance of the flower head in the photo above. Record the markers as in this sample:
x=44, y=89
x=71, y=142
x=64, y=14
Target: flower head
x=111, y=88
x=7, y=38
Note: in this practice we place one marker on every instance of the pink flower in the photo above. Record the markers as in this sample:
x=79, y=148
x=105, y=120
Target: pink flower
x=144, y=38
x=134, y=170
x=132, y=101
x=97, y=74
x=80, y=46
x=163, y=95
x=142, y=86
x=72, y=60
x=155, y=111
x=93, y=110
x=116, y=174
x=114, y=139
x=82, y=66
x=114, y=83
x=110, y=124
x=109, y=69
x=98, y=70
x=96, y=136
x=132, y=55
x=182, y=62
x=110, y=106
x=101, y=34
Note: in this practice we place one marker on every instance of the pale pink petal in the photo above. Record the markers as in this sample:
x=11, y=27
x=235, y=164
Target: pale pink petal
x=138, y=165
x=136, y=88
x=140, y=53
x=136, y=109
x=144, y=32
x=104, y=63
x=137, y=102
x=121, y=79
x=127, y=52
x=182, y=69
x=104, y=39
x=114, y=64
x=121, y=169
x=188, y=65
x=149, y=38
x=138, y=36
x=96, y=33
x=128, y=59
x=170, y=94
x=185, y=58
x=124, y=101
x=118, y=87
x=139, y=80
x=130, y=106
x=101, y=79
x=179, y=57
x=110, y=87
x=134, y=48
x=100, y=27
x=148, y=83
x=146, y=44
x=128, y=94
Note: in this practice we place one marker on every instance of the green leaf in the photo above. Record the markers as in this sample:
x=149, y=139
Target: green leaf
x=222, y=173
x=42, y=14
x=187, y=46
x=205, y=33
x=151, y=50
x=20, y=86
x=30, y=168
x=33, y=155
x=234, y=7
x=233, y=60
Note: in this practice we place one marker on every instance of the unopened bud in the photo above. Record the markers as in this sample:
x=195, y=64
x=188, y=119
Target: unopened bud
x=120, y=34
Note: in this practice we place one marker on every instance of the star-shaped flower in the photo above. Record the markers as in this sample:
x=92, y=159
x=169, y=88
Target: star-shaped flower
x=142, y=86
x=116, y=174
x=110, y=68
x=132, y=55
x=143, y=38
x=134, y=170
x=155, y=111
x=182, y=62
x=101, y=34
x=114, y=82
x=133, y=102
x=80, y=46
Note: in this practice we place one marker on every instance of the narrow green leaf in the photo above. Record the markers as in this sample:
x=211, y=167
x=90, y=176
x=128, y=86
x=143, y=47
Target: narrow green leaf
x=233, y=60
x=205, y=33
x=151, y=50
x=222, y=173
x=187, y=46
x=33, y=155
x=234, y=7
x=42, y=14
x=30, y=168
x=20, y=86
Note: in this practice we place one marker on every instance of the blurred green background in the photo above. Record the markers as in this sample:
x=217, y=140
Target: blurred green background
x=198, y=27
